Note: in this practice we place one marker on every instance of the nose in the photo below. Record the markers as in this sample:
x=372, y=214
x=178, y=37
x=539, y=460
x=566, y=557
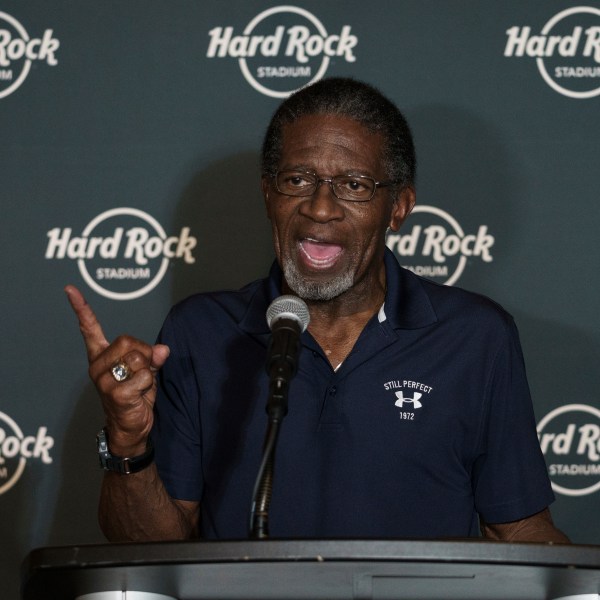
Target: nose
x=322, y=206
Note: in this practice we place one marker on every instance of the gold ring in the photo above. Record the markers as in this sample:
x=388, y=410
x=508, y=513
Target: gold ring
x=120, y=371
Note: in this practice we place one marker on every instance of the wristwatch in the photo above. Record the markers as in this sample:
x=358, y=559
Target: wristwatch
x=119, y=464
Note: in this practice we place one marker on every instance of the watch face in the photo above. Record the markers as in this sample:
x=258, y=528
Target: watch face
x=102, y=442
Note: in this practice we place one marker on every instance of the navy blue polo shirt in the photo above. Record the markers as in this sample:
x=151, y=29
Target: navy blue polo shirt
x=426, y=424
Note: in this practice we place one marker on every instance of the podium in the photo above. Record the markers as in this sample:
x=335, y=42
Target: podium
x=313, y=570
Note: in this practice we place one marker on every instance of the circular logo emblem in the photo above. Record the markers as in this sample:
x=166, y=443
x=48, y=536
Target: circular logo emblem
x=570, y=440
x=569, y=52
x=12, y=462
x=16, y=449
x=123, y=269
x=18, y=50
x=303, y=61
x=432, y=244
x=13, y=41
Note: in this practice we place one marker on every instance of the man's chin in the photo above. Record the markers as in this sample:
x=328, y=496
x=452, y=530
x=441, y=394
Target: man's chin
x=307, y=289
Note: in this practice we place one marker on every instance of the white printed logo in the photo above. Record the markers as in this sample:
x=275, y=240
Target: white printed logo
x=437, y=247
x=282, y=49
x=18, y=50
x=414, y=400
x=567, y=51
x=16, y=449
x=122, y=253
x=570, y=440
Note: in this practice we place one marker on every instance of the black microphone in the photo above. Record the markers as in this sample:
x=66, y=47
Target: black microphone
x=287, y=317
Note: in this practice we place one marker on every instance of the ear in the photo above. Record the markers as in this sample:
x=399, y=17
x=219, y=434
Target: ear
x=403, y=204
x=266, y=186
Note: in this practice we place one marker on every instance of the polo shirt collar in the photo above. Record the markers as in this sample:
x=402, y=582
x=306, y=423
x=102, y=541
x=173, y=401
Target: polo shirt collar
x=254, y=320
x=407, y=303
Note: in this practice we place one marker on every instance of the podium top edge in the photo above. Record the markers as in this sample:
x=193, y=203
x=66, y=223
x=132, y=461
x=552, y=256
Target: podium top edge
x=245, y=551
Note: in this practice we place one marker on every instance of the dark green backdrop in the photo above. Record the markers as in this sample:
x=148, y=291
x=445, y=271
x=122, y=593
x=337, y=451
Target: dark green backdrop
x=108, y=105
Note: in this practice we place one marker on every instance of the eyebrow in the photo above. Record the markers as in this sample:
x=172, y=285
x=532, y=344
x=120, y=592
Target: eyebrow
x=303, y=167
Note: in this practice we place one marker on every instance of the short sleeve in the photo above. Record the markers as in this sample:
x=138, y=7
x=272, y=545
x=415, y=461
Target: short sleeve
x=510, y=477
x=176, y=433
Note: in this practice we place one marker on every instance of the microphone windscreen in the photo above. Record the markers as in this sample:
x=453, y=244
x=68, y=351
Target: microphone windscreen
x=288, y=307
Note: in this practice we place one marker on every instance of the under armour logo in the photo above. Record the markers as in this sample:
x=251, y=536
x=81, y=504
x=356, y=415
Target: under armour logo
x=414, y=400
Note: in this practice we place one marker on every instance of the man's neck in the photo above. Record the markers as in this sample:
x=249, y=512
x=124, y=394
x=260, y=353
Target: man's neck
x=336, y=324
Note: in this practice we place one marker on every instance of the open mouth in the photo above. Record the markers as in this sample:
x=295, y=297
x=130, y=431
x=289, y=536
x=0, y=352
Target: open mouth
x=319, y=255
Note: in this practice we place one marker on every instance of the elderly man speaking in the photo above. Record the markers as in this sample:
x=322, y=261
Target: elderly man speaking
x=409, y=415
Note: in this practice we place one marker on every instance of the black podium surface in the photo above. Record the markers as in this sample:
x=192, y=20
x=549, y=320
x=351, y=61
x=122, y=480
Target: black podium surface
x=314, y=570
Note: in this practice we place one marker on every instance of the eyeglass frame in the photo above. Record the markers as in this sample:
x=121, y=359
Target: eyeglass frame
x=329, y=180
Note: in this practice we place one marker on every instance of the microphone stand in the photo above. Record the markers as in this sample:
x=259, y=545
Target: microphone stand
x=281, y=372
x=263, y=488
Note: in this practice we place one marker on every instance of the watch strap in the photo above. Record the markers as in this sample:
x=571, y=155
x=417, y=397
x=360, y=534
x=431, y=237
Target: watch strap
x=120, y=464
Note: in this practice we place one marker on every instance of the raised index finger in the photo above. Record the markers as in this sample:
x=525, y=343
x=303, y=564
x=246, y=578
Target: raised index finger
x=93, y=336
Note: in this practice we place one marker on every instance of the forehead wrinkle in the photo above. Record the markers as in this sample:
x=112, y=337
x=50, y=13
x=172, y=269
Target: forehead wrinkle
x=331, y=145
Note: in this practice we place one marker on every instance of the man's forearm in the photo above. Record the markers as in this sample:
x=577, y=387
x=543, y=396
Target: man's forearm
x=537, y=528
x=137, y=507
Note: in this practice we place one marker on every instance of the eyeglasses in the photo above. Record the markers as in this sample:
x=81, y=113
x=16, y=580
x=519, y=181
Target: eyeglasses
x=354, y=188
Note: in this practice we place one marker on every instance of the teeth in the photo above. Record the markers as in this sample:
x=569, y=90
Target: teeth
x=323, y=253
